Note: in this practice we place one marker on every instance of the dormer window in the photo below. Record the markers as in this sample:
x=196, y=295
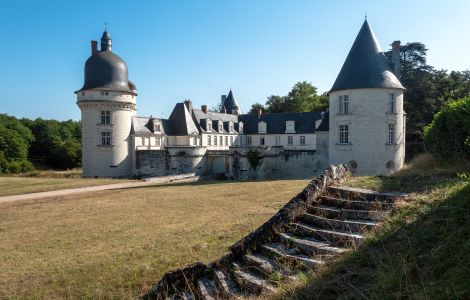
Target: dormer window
x=208, y=125
x=240, y=127
x=262, y=127
x=290, y=126
x=230, y=127
x=221, y=126
x=158, y=127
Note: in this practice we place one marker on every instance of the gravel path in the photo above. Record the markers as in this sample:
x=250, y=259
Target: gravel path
x=114, y=186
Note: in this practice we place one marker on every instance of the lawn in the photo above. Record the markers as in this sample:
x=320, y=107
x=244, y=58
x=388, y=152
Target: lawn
x=421, y=252
x=116, y=244
x=23, y=185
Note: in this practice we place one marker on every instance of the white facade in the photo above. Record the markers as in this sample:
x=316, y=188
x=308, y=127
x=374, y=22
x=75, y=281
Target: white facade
x=370, y=148
x=102, y=157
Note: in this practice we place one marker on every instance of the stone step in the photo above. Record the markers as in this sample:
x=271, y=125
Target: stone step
x=207, y=289
x=228, y=289
x=355, y=204
x=289, y=256
x=344, y=225
x=362, y=194
x=251, y=281
x=185, y=295
x=311, y=246
x=332, y=212
x=334, y=237
x=261, y=264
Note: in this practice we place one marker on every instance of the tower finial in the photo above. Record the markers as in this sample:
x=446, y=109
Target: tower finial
x=365, y=15
x=105, y=26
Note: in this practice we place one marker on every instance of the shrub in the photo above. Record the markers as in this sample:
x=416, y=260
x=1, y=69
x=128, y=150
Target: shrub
x=447, y=138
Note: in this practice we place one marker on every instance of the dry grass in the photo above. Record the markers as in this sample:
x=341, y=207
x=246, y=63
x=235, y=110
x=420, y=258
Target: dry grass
x=23, y=185
x=116, y=244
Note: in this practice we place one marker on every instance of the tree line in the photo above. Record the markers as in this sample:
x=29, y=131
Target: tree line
x=428, y=90
x=25, y=142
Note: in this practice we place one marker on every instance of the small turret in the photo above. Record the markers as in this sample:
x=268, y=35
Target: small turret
x=106, y=42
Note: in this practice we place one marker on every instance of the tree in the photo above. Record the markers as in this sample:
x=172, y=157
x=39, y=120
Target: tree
x=255, y=108
x=15, y=139
x=275, y=104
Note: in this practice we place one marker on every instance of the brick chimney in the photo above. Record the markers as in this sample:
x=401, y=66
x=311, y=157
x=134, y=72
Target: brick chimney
x=189, y=105
x=204, y=108
x=396, y=58
x=94, y=47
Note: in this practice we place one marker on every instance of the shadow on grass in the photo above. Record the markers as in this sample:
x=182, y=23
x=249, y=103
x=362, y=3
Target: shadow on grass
x=422, y=252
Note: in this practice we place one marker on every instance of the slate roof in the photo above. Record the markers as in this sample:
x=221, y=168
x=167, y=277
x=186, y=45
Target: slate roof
x=325, y=122
x=366, y=65
x=231, y=104
x=181, y=121
x=139, y=126
x=107, y=71
x=276, y=123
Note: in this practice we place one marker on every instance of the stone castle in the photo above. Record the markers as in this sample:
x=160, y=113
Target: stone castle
x=363, y=128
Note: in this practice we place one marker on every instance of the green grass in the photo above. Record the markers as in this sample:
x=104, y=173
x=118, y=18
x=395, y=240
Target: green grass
x=117, y=244
x=23, y=185
x=421, y=252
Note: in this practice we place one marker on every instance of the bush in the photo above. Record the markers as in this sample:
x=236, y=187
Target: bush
x=448, y=136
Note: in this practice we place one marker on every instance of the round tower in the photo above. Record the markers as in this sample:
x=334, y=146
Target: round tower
x=107, y=102
x=367, y=121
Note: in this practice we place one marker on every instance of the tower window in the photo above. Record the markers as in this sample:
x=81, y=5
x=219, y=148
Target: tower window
x=391, y=103
x=105, y=138
x=391, y=133
x=105, y=117
x=344, y=105
x=83, y=93
x=290, y=140
x=302, y=139
x=344, y=134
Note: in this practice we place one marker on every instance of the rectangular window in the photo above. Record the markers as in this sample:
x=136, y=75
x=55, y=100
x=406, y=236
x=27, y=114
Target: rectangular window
x=344, y=105
x=159, y=142
x=344, y=134
x=105, y=117
x=221, y=127
x=231, y=140
x=105, y=138
x=143, y=141
x=290, y=140
x=221, y=140
x=248, y=140
x=208, y=140
x=278, y=140
x=158, y=128
x=209, y=126
x=391, y=133
x=215, y=140
x=261, y=141
x=391, y=103
x=226, y=140
x=302, y=139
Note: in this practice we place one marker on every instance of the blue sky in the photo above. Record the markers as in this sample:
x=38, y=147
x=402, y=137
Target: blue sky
x=197, y=50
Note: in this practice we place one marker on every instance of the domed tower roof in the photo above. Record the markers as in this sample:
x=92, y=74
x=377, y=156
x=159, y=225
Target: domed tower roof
x=366, y=65
x=105, y=70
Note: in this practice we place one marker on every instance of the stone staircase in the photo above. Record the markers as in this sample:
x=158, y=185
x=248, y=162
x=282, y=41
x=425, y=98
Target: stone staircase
x=333, y=223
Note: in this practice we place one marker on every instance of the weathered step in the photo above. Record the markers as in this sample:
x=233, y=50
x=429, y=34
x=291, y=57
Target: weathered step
x=332, y=212
x=261, y=263
x=311, y=246
x=356, y=204
x=335, y=237
x=288, y=255
x=345, y=225
x=207, y=289
x=227, y=287
x=184, y=295
x=250, y=281
x=362, y=194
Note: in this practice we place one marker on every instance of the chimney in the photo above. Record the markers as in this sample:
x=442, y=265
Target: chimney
x=204, y=108
x=224, y=110
x=260, y=112
x=189, y=105
x=222, y=100
x=396, y=58
x=94, y=47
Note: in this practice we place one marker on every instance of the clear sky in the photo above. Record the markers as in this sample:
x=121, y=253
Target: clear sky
x=197, y=50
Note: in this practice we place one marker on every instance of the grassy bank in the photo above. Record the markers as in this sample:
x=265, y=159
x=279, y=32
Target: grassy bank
x=116, y=244
x=421, y=252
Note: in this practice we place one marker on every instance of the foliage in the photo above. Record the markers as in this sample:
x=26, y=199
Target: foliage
x=302, y=97
x=254, y=158
x=448, y=136
x=14, y=142
x=256, y=107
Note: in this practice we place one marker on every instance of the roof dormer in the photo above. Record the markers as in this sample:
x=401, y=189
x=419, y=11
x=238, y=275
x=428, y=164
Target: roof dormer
x=290, y=126
x=208, y=125
x=220, y=126
x=240, y=127
x=262, y=126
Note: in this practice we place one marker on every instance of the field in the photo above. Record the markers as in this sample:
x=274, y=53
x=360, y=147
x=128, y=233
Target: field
x=116, y=244
x=421, y=252
x=23, y=185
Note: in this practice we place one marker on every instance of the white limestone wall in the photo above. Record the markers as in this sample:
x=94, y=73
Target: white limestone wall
x=101, y=160
x=368, y=131
x=270, y=140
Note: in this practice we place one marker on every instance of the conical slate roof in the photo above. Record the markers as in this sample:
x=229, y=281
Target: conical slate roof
x=231, y=104
x=181, y=121
x=366, y=65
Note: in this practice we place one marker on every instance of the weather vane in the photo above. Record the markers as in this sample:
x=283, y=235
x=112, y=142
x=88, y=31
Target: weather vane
x=105, y=26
